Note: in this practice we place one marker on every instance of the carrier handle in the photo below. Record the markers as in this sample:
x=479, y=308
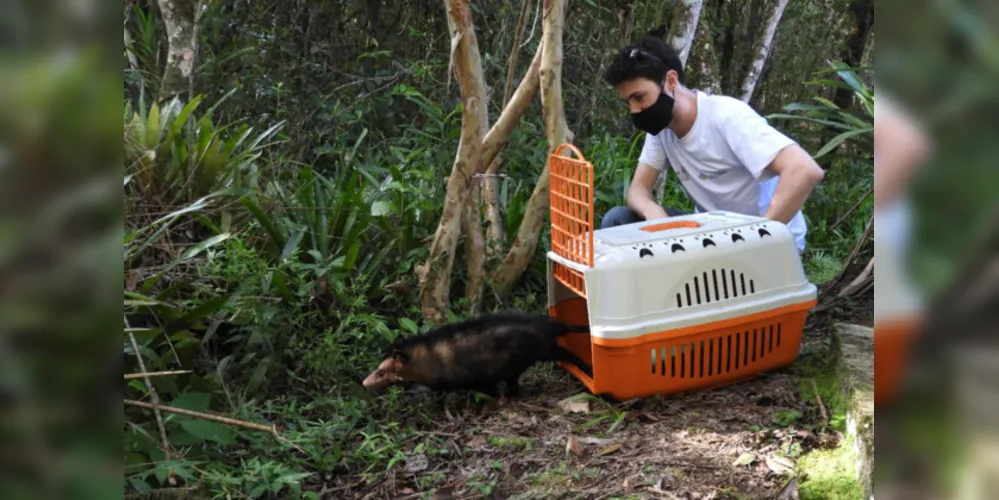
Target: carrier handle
x=572, y=148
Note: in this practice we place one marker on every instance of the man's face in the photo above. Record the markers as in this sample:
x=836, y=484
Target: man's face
x=641, y=93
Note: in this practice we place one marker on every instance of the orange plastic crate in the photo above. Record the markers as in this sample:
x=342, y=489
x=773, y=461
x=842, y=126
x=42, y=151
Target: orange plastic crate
x=702, y=357
x=726, y=288
x=571, y=206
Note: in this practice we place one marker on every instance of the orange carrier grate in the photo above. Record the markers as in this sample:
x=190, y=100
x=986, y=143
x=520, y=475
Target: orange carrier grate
x=571, y=205
x=703, y=268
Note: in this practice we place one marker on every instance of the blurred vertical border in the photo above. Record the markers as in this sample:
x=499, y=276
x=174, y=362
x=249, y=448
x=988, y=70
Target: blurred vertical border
x=939, y=60
x=61, y=165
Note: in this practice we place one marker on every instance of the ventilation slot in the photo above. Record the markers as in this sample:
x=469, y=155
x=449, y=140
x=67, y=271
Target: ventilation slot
x=713, y=286
x=716, y=356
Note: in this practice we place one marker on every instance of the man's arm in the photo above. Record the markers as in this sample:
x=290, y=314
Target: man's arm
x=639, y=197
x=762, y=148
x=799, y=174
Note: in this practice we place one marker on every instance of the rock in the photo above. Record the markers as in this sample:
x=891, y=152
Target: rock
x=856, y=363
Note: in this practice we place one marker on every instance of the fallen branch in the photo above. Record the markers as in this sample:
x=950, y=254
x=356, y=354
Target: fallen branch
x=215, y=418
x=860, y=282
x=856, y=251
x=131, y=376
x=822, y=407
x=849, y=212
x=152, y=393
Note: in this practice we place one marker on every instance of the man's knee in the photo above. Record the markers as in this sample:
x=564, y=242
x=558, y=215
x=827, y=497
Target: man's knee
x=619, y=216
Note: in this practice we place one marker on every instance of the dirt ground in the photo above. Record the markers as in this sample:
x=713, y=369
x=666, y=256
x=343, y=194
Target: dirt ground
x=542, y=445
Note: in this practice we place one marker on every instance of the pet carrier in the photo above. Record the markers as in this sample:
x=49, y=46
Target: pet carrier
x=673, y=305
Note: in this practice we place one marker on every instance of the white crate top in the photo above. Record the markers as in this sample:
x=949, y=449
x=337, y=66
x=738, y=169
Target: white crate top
x=730, y=265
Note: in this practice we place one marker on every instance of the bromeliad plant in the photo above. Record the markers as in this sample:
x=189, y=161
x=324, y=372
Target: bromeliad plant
x=175, y=158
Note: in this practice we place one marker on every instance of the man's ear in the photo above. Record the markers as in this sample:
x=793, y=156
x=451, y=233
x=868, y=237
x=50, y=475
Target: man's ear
x=672, y=79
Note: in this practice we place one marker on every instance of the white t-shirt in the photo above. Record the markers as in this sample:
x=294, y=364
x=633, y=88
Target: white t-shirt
x=722, y=160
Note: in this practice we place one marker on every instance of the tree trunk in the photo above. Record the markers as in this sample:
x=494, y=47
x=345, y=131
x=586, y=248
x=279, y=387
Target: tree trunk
x=495, y=141
x=435, y=274
x=179, y=18
x=868, y=58
x=685, y=20
x=526, y=242
x=495, y=233
x=761, y=47
x=475, y=250
x=624, y=11
x=863, y=21
x=703, y=60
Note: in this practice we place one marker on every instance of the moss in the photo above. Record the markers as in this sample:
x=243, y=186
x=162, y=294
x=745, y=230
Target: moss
x=515, y=442
x=829, y=474
x=823, y=369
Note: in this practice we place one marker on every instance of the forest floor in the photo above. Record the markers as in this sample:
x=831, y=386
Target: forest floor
x=557, y=441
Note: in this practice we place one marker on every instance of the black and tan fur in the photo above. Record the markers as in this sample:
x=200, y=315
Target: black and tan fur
x=476, y=354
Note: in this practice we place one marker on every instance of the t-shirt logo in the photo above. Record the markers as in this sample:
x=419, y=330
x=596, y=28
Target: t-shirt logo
x=709, y=175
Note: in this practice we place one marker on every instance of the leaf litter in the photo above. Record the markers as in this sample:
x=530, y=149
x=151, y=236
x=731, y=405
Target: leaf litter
x=558, y=441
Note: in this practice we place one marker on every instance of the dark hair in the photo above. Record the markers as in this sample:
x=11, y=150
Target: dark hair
x=648, y=57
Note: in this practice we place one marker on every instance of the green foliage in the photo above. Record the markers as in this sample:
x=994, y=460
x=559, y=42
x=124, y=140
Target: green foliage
x=175, y=158
x=852, y=126
x=267, y=237
x=821, y=267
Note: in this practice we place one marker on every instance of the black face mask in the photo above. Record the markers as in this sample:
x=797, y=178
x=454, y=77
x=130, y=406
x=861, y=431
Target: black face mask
x=656, y=117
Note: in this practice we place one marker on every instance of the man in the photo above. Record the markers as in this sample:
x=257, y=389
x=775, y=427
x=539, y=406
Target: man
x=725, y=154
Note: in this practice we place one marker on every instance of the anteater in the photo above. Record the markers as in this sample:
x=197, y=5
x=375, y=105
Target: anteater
x=476, y=354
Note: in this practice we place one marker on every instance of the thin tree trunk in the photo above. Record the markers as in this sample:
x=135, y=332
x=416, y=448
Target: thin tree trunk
x=179, y=18
x=435, y=274
x=624, y=11
x=868, y=58
x=725, y=53
x=863, y=21
x=514, y=52
x=762, y=47
x=475, y=250
x=494, y=142
x=526, y=242
x=686, y=17
x=495, y=233
x=703, y=60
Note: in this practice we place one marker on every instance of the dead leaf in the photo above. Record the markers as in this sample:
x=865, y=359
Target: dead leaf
x=744, y=459
x=406, y=491
x=572, y=444
x=416, y=463
x=789, y=491
x=477, y=442
x=516, y=416
x=610, y=449
x=597, y=441
x=648, y=417
x=574, y=405
x=780, y=465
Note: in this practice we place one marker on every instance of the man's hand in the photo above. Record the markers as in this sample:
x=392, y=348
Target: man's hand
x=799, y=174
x=639, y=197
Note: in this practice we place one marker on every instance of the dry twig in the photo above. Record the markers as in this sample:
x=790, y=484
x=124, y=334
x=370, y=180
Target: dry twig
x=822, y=407
x=130, y=376
x=223, y=420
x=152, y=393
